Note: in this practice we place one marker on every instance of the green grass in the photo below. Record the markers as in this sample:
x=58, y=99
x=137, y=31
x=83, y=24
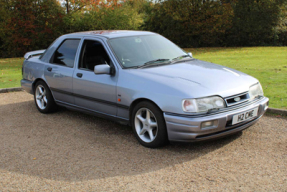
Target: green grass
x=267, y=64
x=10, y=72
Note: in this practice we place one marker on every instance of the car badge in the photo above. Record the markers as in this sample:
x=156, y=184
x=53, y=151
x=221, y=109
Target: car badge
x=237, y=99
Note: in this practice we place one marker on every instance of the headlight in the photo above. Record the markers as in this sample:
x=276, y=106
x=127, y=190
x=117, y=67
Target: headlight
x=202, y=105
x=255, y=91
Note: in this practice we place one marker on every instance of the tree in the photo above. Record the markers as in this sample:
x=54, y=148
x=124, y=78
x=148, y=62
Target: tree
x=110, y=15
x=72, y=6
x=281, y=27
x=192, y=23
x=29, y=25
x=254, y=22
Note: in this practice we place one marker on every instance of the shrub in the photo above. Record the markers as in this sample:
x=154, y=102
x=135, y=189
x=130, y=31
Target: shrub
x=28, y=25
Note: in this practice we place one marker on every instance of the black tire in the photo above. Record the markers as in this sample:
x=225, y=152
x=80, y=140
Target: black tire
x=49, y=103
x=156, y=116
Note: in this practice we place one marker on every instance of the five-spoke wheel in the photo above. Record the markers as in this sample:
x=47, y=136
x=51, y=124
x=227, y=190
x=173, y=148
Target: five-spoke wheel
x=149, y=125
x=146, y=125
x=43, y=98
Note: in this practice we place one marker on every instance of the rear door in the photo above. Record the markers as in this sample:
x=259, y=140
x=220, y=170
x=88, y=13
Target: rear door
x=59, y=70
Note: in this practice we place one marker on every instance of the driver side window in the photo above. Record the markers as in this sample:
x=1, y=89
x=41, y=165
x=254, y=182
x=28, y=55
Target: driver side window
x=93, y=53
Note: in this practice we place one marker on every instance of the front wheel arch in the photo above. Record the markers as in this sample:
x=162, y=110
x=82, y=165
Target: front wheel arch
x=160, y=138
x=135, y=102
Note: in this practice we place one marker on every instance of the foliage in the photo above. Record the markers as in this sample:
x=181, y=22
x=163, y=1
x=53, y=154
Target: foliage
x=33, y=24
x=28, y=25
x=119, y=17
x=72, y=6
x=281, y=28
x=254, y=21
x=192, y=22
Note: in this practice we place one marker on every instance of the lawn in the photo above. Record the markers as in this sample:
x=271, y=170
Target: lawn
x=267, y=64
x=10, y=72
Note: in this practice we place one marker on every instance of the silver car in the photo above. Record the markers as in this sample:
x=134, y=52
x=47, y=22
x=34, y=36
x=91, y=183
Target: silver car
x=144, y=80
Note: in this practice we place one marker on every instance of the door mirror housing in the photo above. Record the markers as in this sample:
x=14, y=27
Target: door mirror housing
x=190, y=54
x=102, y=69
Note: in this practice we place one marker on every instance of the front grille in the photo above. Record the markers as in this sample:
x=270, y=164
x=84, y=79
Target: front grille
x=237, y=99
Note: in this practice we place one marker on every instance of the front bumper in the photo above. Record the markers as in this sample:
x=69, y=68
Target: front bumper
x=188, y=128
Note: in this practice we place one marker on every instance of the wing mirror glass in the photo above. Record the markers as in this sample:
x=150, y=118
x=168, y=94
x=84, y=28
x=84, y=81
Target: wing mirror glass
x=102, y=69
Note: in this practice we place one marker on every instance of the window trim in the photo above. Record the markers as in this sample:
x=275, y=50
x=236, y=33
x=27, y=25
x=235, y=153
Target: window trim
x=81, y=49
x=48, y=48
x=52, y=57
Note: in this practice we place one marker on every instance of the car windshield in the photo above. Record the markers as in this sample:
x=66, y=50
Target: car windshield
x=146, y=50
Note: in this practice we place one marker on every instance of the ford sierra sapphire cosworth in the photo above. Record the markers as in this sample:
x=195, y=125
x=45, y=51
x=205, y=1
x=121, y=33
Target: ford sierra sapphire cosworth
x=144, y=80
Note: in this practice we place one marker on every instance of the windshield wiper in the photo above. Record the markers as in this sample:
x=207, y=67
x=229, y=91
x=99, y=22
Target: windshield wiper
x=180, y=57
x=153, y=62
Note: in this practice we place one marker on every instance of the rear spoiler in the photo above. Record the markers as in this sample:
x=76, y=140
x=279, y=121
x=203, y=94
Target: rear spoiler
x=33, y=53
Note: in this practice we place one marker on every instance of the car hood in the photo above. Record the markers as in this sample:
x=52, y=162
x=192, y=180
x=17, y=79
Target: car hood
x=199, y=78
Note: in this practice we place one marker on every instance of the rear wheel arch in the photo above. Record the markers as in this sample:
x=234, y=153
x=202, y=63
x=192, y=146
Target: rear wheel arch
x=36, y=81
x=43, y=97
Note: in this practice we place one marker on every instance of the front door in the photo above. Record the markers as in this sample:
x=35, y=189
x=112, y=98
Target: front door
x=93, y=92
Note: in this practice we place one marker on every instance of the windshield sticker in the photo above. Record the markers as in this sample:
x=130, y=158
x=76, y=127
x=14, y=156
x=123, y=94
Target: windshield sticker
x=138, y=40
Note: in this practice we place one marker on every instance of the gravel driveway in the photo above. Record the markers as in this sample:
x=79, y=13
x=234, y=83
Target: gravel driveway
x=70, y=151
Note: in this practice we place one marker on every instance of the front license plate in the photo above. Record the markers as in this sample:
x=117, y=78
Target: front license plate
x=245, y=116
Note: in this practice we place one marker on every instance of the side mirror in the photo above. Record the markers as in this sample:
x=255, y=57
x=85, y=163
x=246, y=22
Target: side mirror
x=190, y=54
x=102, y=69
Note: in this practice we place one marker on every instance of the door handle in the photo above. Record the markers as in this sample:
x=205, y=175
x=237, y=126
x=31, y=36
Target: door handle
x=49, y=68
x=79, y=75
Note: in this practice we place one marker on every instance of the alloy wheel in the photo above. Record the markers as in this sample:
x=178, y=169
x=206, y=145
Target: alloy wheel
x=146, y=125
x=41, y=98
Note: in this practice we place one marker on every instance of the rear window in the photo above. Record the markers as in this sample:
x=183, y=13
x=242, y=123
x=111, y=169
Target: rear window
x=65, y=54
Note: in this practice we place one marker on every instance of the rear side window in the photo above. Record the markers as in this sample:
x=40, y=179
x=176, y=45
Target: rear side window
x=65, y=54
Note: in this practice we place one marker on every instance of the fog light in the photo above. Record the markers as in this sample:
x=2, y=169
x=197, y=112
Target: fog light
x=209, y=124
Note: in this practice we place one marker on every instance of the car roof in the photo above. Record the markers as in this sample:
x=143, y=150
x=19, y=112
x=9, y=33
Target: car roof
x=113, y=33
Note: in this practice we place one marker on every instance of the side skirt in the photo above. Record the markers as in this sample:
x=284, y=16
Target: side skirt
x=119, y=120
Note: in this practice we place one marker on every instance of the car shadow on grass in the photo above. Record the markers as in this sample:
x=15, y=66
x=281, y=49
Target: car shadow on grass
x=73, y=146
